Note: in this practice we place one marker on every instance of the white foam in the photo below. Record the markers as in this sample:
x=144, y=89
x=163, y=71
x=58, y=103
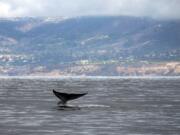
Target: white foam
x=94, y=105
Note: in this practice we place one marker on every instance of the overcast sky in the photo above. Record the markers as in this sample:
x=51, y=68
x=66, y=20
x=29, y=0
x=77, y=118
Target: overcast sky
x=165, y=9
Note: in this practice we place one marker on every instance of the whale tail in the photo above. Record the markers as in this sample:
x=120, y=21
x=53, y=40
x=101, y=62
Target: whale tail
x=65, y=97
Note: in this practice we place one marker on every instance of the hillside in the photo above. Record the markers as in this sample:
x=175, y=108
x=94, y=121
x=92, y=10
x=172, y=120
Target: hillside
x=89, y=46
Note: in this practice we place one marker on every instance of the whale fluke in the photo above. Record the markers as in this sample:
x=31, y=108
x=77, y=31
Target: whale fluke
x=65, y=97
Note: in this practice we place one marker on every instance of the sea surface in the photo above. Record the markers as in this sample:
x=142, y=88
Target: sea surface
x=113, y=106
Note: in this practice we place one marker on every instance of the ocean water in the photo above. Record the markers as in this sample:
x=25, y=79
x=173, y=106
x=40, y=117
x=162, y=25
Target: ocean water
x=113, y=106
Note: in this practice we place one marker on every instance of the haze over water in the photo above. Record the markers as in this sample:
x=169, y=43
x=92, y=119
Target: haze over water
x=113, y=106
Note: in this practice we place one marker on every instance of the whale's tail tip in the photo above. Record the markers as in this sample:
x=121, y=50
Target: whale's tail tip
x=65, y=97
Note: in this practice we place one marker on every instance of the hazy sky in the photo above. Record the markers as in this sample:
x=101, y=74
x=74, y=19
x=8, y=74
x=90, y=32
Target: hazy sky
x=165, y=9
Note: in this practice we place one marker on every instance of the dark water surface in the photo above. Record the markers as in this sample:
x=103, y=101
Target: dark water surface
x=113, y=106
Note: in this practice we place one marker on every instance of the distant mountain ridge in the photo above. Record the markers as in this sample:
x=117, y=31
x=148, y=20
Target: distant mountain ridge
x=59, y=43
